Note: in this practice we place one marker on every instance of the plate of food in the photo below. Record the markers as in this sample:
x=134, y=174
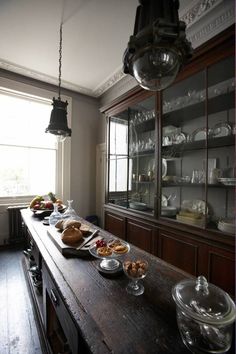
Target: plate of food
x=108, y=251
x=111, y=248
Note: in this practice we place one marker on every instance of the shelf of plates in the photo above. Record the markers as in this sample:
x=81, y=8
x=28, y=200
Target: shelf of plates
x=198, y=139
x=188, y=132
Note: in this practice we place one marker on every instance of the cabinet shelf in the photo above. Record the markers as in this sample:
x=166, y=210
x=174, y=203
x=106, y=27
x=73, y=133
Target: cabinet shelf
x=216, y=185
x=216, y=104
x=199, y=145
x=146, y=126
x=142, y=154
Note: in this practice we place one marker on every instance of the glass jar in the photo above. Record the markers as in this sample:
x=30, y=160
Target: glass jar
x=70, y=212
x=55, y=215
x=205, y=316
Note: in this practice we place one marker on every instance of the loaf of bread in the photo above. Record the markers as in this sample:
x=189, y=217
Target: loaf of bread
x=66, y=224
x=71, y=236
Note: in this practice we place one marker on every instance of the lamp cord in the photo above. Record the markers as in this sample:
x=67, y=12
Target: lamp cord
x=60, y=55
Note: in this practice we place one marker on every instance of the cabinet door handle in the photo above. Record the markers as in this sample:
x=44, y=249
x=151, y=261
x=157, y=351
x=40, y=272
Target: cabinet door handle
x=54, y=298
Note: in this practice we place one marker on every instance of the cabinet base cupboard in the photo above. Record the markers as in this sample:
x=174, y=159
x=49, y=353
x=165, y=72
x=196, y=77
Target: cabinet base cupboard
x=171, y=172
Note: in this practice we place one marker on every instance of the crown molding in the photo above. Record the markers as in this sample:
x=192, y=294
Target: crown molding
x=43, y=77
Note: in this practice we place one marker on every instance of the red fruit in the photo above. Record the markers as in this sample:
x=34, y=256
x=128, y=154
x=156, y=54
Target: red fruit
x=37, y=206
x=100, y=243
x=48, y=205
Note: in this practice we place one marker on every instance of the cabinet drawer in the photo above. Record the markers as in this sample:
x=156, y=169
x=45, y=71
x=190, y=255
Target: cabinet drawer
x=53, y=298
x=140, y=235
x=179, y=251
x=115, y=224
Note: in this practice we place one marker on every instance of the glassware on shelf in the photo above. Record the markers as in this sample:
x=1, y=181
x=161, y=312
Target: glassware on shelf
x=70, y=212
x=55, y=215
x=135, y=270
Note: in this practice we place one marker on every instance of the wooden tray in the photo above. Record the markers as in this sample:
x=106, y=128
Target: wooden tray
x=67, y=250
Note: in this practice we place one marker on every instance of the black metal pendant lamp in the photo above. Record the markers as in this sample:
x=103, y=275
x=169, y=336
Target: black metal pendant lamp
x=158, y=48
x=58, y=120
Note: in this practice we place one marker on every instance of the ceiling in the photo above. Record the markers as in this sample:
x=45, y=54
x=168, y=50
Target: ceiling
x=95, y=35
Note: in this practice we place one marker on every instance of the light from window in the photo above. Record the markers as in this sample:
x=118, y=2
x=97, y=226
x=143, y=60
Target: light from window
x=27, y=154
x=118, y=155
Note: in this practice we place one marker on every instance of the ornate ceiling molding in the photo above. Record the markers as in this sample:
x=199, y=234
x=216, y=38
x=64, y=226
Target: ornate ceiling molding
x=42, y=77
x=198, y=9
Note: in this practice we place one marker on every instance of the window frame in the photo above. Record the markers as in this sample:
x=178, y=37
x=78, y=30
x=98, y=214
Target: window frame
x=62, y=183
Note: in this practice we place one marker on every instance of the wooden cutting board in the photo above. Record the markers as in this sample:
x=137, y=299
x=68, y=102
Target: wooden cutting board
x=67, y=250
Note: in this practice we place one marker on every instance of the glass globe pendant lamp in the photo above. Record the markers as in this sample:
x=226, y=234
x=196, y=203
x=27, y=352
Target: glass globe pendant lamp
x=58, y=120
x=158, y=48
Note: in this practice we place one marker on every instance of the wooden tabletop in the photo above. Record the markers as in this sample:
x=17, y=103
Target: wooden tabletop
x=108, y=318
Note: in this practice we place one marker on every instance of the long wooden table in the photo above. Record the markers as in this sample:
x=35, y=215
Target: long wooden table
x=109, y=319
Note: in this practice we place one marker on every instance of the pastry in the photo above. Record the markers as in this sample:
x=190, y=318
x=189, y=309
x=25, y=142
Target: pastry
x=71, y=236
x=120, y=249
x=113, y=243
x=136, y=269
x=104, y=251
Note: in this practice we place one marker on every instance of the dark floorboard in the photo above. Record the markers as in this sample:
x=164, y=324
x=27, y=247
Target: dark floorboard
x=18, y=330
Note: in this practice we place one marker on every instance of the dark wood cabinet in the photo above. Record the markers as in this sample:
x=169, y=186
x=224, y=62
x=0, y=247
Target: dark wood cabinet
x=115, y=224
x=180, y=251
x=140, y=235
x=170, y=184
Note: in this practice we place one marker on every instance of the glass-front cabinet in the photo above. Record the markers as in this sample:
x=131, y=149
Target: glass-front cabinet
x=198, y=135
x=171, y=155
x=131, y=157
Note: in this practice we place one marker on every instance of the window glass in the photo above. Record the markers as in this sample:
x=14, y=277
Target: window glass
x=27, y=154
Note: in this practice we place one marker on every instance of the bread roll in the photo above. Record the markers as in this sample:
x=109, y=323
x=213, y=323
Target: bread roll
x=71, y=236
x=59, y=224
x=71, y=223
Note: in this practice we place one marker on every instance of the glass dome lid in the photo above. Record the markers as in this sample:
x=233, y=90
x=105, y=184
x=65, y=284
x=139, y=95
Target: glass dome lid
x=204, y=302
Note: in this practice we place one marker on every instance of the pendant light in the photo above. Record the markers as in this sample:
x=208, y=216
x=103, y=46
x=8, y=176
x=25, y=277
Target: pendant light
x=58, y=120
x=158, y=48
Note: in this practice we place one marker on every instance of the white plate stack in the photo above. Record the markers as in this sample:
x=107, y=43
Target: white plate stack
x=227, y=225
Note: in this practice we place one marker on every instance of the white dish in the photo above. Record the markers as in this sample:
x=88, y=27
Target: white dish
x=221, y=129
x=227, y=181
x=226, y=228
x=164, y=168
x=164, y=201
x=199, y=134
x=138, y=206
x=180, y=138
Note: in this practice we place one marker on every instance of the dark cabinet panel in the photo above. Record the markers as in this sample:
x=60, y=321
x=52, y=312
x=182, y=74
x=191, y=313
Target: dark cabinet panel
x=180, y=252
x=140, y=235
x=115, y=224
x=221, y=269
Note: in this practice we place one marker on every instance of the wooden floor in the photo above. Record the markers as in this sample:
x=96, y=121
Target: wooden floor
x=18, y=331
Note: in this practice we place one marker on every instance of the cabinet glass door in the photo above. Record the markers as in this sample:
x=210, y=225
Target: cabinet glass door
x=118, y=165
x=184, y=152
x=142, y=155
x=221, y=153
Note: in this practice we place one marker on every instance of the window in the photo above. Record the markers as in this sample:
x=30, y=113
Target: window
x=31, y=161
x=118, y=155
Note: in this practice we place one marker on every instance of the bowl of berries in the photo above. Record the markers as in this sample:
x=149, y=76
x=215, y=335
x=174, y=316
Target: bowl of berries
x=108, y=251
